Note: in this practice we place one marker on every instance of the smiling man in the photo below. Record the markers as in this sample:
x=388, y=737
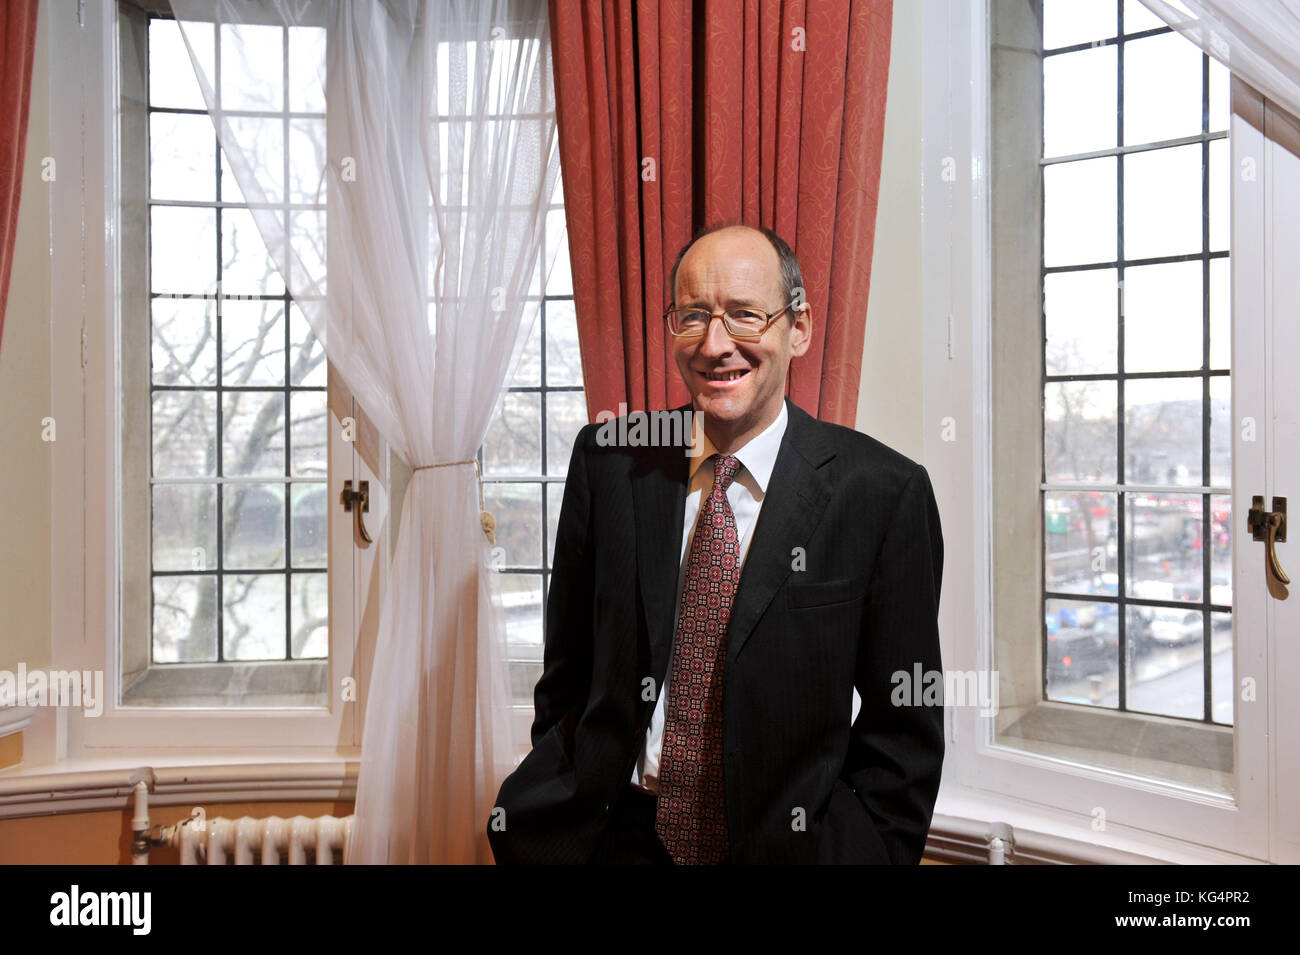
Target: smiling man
x=725, y=630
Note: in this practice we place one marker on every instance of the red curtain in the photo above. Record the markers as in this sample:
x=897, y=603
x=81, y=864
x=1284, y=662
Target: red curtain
x=674, y=114
x=17, y=48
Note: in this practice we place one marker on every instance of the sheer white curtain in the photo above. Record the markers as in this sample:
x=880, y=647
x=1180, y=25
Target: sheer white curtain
x=426, y=132
x=1259, y=40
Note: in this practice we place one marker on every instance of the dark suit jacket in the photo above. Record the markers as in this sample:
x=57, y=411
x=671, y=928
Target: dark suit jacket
x=860, y=606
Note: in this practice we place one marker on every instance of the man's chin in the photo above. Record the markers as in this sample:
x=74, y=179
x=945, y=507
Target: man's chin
x=723, y=409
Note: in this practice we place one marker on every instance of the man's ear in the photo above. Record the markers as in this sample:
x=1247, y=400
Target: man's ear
x=801, y=332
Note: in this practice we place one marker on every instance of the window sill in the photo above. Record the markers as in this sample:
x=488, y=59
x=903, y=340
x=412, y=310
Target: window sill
x=966, y=821
x=93, y=783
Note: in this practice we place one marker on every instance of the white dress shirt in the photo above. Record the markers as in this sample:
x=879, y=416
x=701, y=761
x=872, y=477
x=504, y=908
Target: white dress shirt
x=746, y=493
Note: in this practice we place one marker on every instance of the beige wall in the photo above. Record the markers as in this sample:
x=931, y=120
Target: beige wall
x=889, y=403
x=25, y=398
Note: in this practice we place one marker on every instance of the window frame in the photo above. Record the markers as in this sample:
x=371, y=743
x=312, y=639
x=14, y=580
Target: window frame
x=983, y=780
x=86, y=240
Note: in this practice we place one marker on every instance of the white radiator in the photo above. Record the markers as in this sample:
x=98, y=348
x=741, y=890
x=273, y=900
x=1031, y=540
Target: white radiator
x=221, y=841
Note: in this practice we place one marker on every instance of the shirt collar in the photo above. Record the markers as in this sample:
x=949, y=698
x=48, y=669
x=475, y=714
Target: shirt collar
x=758, y=456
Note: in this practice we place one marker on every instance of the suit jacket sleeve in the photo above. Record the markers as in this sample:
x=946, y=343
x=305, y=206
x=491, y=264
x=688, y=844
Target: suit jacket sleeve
x=896, y=751
x=566, y=675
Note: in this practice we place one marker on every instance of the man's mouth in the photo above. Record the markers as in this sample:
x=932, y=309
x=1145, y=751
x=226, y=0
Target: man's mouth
x=725, y=376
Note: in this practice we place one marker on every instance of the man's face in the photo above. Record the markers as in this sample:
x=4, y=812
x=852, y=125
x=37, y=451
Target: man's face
x=737, y=385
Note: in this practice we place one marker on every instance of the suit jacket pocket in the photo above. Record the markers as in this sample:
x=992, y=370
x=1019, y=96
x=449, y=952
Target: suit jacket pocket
x=848, y=833
x=823, y=593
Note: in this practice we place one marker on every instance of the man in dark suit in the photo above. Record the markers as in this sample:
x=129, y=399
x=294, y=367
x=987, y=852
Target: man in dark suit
x=773, y=582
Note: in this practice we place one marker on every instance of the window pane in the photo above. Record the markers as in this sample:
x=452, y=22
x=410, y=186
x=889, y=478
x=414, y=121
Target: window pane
x=309, y=434
x=563, y=357
x=1079, y=431
x=184, y=434
x=513, y=441
x=1220, y=313
x=1223, y=684
x=253, y=526
x=518, y=512
x=1162, y=89
x=1167, y=675
x=1079, y=101
x=310, y=615
x=184, y=619
x=184, y=341
x=307, y=182
x=1082, y=652
x=528, y=373
x=253, y=434
x=307, y=69
x=252, y=66
x=1137, y=18
x=246, y=268
x=1163, y=317
x=1081, y=328
x=1080, y=542
x=1221, y=549
x=185, y=527
x=1162, y=431
x=254, y=622
x=182, y=157
x=1219, y=92
x=1162, y=202
x=560, y=281
x=252, y=342
x=1219, y=179
x=183, y=250
x=1221, y=430
x=1079, y=212
x=307, y=365
x=1163, y=546
x=566, y=413
x=172, y=83
x=309, y=526
x=1067, y=22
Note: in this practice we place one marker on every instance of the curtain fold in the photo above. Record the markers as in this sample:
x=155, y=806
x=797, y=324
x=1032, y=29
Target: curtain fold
x=1258, y=41
x=427, y=132
x=17, y=51
x=677, y=114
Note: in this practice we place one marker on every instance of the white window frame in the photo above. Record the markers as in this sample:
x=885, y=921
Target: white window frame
x=84, y=322
x=1048, y=803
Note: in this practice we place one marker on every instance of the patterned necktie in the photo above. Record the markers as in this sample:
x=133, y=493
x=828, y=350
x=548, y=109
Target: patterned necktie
x=691, y=818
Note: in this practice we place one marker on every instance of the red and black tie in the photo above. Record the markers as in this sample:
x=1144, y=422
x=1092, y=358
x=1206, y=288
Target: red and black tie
x=691, y=818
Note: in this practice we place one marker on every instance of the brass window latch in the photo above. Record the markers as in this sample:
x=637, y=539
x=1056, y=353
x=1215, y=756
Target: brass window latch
x=361, y=499
x=1270, y=527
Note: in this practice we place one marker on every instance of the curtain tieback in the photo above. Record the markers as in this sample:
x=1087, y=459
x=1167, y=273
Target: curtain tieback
x=486, y=520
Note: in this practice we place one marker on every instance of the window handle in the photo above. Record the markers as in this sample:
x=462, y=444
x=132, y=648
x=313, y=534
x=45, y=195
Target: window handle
x=1270, y=527
x=357, y=503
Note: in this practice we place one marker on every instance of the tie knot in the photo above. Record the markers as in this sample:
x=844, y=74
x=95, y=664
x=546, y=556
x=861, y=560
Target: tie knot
x=725, y=467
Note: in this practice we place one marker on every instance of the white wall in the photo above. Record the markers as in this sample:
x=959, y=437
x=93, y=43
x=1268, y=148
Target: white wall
x=889, y=403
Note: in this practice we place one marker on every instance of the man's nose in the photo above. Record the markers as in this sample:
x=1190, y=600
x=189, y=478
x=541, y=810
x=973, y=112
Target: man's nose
x=716, y=341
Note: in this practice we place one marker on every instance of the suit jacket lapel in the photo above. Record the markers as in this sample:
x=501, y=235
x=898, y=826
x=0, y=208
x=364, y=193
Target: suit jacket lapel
x=797, y=495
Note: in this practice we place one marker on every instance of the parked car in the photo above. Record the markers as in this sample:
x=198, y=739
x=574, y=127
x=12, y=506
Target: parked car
x=1076, y=653
x=1169, y=627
